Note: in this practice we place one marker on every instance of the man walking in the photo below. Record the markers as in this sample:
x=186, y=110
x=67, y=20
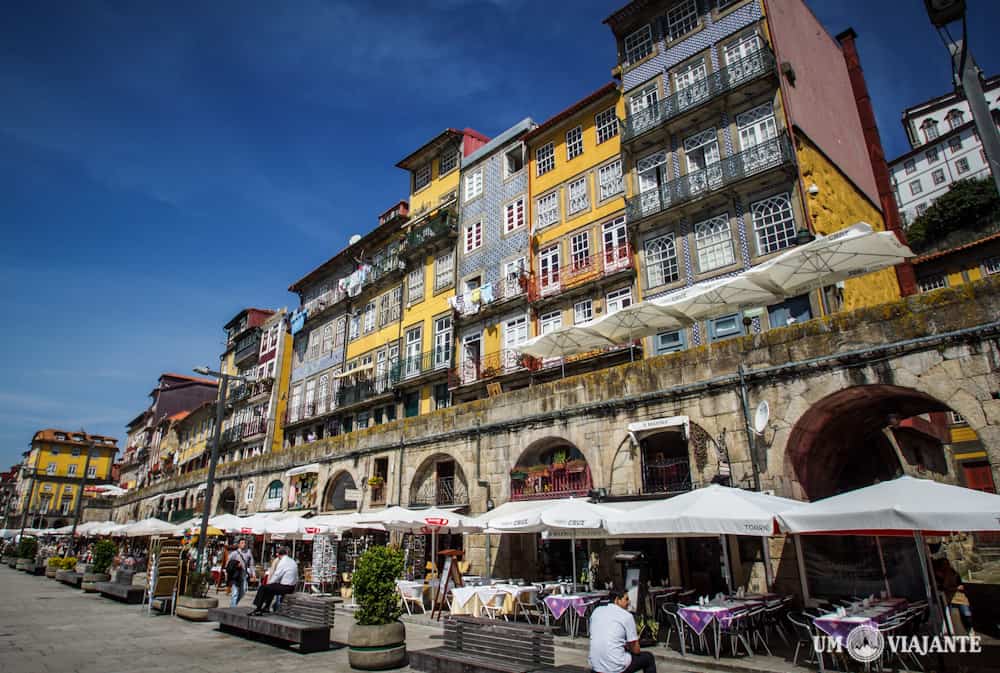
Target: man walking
x=282, y=581
x=614, y=641
x=241, y=558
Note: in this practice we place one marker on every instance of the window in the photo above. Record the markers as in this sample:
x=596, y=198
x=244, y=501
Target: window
x=413, y=346
x=92, y=472
x=651, y=171
x=579, y=246
x=921, y=209
x=992, y=265
x=548, y=268
x=932, y=283
x=638, y=45
x=72, y=470
x=550, y=322
x=473, y=236
x=75, y=451
x=422, y=177
x=757, y=126
x=548, y=210
x=938, y=176
x=618, y=300
x=442, y=342
x=321, y=387
x=606, y=124
x=513, y=273
x=610, y=179
x=50, y=468
x=248, y=496
x=411, y=408
x=390, y=305
x=415, y=285
x=473, y=185
x=955, y=144
x=669, y=342
x=355, y=330
x=583, y=311
x=682, y=19
x=915, y=187
x=930, y=129
x=962, y=166
x=957, y=418
x=713, y=240
x=515, y=332
x=691, y=84
x=444, y=267
x=910, y=165
x=513, y=217
x=788, y=312
x=577, y=197
x=617, y=255
x=773, y=223
x=743, y=58
x=447, y=162
x=513, y=161
x=955, y=119
x=54, y=450
x=661, y=261
x=442, y=397
x=725, y=327
x=702, y=153
x=574, y=142
x=545, y=156
x=932, y=155
x=369, y=319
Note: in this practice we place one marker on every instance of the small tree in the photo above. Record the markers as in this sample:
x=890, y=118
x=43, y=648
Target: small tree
x=27, y=548
x=374, y=584
x=967, y=205
x=104, y=554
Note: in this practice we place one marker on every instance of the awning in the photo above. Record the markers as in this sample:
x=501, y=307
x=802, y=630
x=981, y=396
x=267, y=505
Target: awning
x=643, y=428
x=304, y=469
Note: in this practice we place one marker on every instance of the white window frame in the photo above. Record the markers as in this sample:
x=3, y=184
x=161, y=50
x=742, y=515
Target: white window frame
x=617, y=300
x=932, y=283
x=549, y=322
x=916, y=187
x=472, y=185
x=547, y=210
x=413, y=351
x=549, y=267
x=71, y=470
x=472, y=236
x=415, y=284
x=450, y=155
x=661, y=268
x=579, y=250
x=773, y=233
x=422, y=177
x=545, y=159
x=991, y=265
x=583, y=311
x=938, y=177
x=513, y=215
x=92, y=472
x=638, y=45
x=443, y=333
x=610, y=179
x=910, y=166
x=577, y=196
x=931, y=154
x=370, y=314
x=574, y=143
x=681, y=19
x=962, y=166
x=444, y=270
x=515, y=333
x=606, y=125
x=713, y=242
x=955, y=144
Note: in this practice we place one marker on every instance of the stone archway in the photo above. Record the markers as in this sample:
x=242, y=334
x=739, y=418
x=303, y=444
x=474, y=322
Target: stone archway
x=864, y=434
x=271, y=499
x=550, y=467
x=227, y=502
x=335, y=494
x=439, y=481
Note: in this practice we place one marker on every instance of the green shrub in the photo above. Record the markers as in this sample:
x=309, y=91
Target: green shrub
x=374, y=584
x=55, y=562
x=69, y=563
x=27, y=548
x=197, y=585
x=104, y=554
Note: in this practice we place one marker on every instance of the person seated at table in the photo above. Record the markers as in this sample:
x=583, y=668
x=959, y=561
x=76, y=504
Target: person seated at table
x=614, y=641
x=283, y=581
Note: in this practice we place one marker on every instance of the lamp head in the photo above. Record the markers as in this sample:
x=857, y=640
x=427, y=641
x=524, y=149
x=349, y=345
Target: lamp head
x=204, y=371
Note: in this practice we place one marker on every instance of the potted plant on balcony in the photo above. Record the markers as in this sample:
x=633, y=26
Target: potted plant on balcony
x=539, y=470
x=576, y=466
x=194, y=603
x=377, y=639
x=518, y=474
x=559, y=460
x=375, y=481
x=103, y=555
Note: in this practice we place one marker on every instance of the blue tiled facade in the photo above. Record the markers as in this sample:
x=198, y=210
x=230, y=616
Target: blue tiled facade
x=303, y=368
x=710, y=33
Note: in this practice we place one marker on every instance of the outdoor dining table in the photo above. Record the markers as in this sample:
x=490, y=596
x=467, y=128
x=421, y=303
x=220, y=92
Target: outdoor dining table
x=876, y=612
x=573, y=606
x=718, y=613
x=470, y=600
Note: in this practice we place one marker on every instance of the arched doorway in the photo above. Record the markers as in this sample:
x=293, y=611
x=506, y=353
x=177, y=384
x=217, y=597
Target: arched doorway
x=551, y=467
x=335, y=496
x=227, y=502
x=272, y=496
x=439, y=482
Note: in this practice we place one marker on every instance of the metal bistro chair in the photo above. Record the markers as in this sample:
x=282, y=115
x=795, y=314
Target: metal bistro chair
x=494, y=606
x=804, y=631
x=675, y=624
x=738, y=630
x=774, y=618
x=897, y=626
x=414, y=600
x=530, y=605
x=756, y=627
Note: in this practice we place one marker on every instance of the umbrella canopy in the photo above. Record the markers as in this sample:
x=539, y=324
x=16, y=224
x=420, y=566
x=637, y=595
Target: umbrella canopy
x=63, y=530
x=567, y=340
x=148, y=527
x=341, y=522
x=107, y=528
x=195, y=531
x=227, y=522
x=635, y=321
x=427, y=520
x=713, y=510
x=902, y=506
x=713, y=299
x=851, y=252
x=297, y=526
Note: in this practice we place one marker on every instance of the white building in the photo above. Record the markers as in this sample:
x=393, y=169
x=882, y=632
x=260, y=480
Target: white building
x=945, y=147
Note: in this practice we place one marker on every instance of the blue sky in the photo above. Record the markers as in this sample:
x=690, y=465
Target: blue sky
x=166, y=163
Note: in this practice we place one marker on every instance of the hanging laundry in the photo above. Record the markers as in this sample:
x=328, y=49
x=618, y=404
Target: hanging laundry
x=487, y=296
x=298, y=321
x=475, y=296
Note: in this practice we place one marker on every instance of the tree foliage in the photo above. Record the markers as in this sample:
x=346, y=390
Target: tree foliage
x=968, y=205
x=374, y=583
x=27, y=548
x=104, y=554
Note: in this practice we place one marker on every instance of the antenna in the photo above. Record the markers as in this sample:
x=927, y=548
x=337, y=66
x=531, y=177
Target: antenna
x=761, y=417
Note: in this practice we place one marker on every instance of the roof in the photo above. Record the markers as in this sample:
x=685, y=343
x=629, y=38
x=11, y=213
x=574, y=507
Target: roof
x=623, y=13
x=492, y=146
x=49, y=435
x=179, y=416
x=438, y=141
x=949, y=97
x=944, y=137
x=191, y=379
x=958, y=248
x=582, y=104
x=265, y=312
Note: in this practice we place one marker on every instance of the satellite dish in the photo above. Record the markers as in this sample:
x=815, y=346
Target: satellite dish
x=354, y=239
x=761, y=417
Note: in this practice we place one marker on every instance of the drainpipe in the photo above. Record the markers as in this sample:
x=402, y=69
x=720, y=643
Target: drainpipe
x=751, y=439
x=399, y=470
x=483, y=483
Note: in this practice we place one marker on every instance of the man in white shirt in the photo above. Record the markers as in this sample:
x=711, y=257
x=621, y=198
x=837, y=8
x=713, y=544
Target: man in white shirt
x=286, y=576
x=614, y=642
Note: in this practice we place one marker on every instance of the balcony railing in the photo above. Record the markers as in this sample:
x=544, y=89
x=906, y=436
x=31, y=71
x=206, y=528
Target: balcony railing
x=249, y=348
x=761, y=157
x=490, y=366
x=471, y=302
x=554, y=483
x=666, y=476
x=325, y=300
x=413, y=366
x=444, y=491
x=444, y=224
x=250, y=389
x=245, y=430
x=582, y=270
x=721, y=81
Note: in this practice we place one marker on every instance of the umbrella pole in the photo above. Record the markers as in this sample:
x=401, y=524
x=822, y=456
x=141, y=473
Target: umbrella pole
x=936, y=619
x=572, y=551
x=881, y=560
x=768, y=571
x=727, y=569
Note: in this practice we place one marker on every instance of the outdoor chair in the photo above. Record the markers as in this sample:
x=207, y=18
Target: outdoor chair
x=774, y=619
x=804, y=631
x=738, y=630
x=755, y=626
x=411, y=600
x=675, y=624
x=530, y=605
x=896, y=627
x=494, y=606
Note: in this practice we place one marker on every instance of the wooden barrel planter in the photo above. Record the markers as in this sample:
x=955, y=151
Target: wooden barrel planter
x=50, y=571
x=376, y=648
x=195, y=609
x=90, y=580
x=26, y=564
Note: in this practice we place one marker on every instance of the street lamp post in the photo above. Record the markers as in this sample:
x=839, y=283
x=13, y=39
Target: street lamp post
x=220, y=411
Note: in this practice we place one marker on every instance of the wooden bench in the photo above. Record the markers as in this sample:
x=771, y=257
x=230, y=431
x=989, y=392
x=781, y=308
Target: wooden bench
x=70, y=577
x=476, y=645
x=301, y=618
x=121, y=589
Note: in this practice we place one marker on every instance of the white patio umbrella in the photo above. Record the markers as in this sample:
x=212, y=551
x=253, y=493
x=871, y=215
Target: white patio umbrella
x=338, y=523
x=431, y=520
x=715, y=298
x=148, y=527
x=632, y=322
x=63, y=530
x=7, y=533
x=851, y=252
x=297, y=527
x=229, y=523
x=568, y=340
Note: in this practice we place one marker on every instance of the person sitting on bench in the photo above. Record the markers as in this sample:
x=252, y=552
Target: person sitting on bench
x=283, y=581
x=614, y=642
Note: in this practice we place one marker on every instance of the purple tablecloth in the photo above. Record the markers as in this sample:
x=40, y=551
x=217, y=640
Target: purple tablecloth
x=558, y=604
x=698, y=617
x=838, y=627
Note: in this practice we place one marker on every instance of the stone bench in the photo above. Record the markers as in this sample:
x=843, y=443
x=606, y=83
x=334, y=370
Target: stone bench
x=301, y=619
x=122, y=589
x=70, y=577
x=476, y=645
